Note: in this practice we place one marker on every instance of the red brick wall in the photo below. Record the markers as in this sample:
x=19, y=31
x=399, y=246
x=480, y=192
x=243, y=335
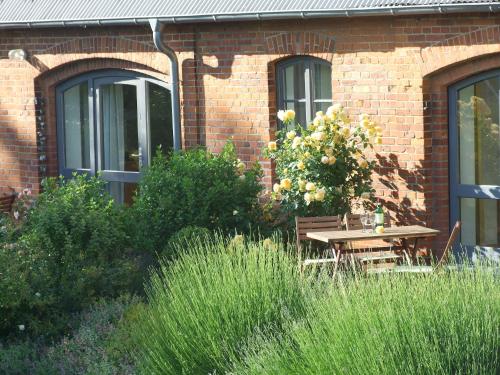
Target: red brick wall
x=396, y=69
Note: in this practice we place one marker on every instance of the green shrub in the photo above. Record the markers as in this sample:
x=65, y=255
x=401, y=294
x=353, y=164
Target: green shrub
x=71, y=252
x=206, y=304
x=444, y=323
x=195, y=188
x=90, y=349
x=183, y=239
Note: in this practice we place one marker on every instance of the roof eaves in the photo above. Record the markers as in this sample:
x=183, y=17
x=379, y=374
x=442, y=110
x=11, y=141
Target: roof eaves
x=227, y=17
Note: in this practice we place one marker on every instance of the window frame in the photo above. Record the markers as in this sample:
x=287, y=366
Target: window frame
x=94, y=79
x=309, y=82
x=458, y=190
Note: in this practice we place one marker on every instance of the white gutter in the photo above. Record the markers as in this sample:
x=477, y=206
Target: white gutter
x=228, y=17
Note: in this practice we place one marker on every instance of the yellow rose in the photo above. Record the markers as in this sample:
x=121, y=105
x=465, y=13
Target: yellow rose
x=328, y=151
x=272, y=146
x=289, y=116
x=378, y=140
x=307, y=154
x=277, y=188
x=286, y=184
x=297, y=141
x=320, y=195
x=310, y=186
x=332, y=160
x=302, y=185
x=308, y=198
x=346, y=132
x=325, y=159
x=318, y=136
x=240, y=167
x=363, y=163
x=291, y=134
x=333, y=109
x=301, y=165
x=321, y=128
x=281, y=115
x=312, y=126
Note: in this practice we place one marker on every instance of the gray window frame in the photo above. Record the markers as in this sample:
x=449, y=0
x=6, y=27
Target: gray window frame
x=310, y=89
x=94, y=80
x=458, y=190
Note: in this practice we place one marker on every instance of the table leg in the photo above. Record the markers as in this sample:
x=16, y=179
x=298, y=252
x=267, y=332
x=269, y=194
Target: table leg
x=411, y=251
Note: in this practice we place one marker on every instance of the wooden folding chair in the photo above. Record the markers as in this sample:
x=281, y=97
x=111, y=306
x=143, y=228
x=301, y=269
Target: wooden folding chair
x=442, y=259
x=303, y=225
x=6, y=203
x=371, y=253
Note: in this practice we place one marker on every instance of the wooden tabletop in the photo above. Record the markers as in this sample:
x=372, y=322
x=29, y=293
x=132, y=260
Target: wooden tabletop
x=409, y=231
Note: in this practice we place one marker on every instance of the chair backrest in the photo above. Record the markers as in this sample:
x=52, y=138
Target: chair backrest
x=315, y=224
x=6, y=202
x=353, y=221
x=453, y=237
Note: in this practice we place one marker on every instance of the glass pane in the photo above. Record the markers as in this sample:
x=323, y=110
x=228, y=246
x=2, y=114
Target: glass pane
x=300, y=113
x=480, y=222
x=122, y=192
x=160, y=118
x=479, y=139
x=295, y=86
x=321, y=106
x=76, y=127
x=120, y=141
x=322, y=81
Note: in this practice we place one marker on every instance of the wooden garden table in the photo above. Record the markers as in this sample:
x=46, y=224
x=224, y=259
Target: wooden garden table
x=338, y=238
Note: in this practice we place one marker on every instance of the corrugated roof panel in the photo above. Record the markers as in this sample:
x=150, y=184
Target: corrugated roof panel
x=39, y=11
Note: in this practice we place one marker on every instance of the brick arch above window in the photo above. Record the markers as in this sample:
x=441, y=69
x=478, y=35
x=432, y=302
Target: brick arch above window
x=100, y=47
x=301, y=43
x=460, y=48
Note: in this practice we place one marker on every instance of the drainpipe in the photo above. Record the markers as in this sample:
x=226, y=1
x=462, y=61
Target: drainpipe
x=174, y=75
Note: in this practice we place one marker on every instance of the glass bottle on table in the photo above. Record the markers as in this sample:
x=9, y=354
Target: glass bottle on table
x=379, y=218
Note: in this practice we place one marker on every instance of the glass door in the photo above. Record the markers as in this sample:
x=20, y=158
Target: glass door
x=475, y=162
x=112, y=122
x=120, y=135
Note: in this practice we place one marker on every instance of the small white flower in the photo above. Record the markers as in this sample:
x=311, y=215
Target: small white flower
x=235, y=212
x=281, y=115
x=325, y=159
x=242, y=177
x=21, y=327
x=16, y=215
x=38, y=294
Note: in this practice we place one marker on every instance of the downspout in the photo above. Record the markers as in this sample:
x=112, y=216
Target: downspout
x=174, y=76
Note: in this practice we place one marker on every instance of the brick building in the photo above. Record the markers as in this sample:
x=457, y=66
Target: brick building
x=91, y=86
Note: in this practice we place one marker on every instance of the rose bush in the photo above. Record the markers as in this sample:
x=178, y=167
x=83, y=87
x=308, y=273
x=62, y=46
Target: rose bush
x=323, y=167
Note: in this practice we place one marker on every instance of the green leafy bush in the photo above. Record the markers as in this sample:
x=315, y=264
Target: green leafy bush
x=444, y=323
x=184, y=238
x=204, y=306
x=71, y=252
x=195, y=188
x=92, y=347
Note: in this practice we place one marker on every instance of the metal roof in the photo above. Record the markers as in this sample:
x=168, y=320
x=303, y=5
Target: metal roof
x=38, y=13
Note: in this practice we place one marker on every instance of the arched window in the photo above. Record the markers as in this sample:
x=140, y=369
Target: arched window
x=304, y=85
x=112, y=121
x=475, y=161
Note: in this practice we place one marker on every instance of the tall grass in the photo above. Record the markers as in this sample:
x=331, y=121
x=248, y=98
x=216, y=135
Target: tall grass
x=206, y=304
x=444, y=323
